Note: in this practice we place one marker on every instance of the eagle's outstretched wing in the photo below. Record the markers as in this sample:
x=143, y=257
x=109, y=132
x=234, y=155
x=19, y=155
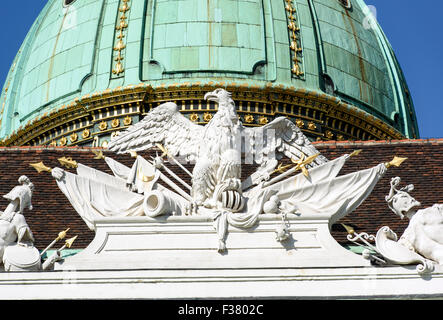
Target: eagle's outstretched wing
x=279, y=138
x=164, y=125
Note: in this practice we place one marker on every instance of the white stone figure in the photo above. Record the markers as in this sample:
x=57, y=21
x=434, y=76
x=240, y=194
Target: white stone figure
x=13, y=226
x=400, y=201
x=20, y=196
x=17, y=251
x=216, y=148
x=424, y=234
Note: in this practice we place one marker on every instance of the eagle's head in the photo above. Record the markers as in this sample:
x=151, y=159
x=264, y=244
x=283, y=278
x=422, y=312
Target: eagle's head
x=219, y=96
x=227, y=113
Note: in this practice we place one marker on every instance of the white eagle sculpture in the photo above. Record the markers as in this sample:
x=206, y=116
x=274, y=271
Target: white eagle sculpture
x=217, y=191
x=217, y=147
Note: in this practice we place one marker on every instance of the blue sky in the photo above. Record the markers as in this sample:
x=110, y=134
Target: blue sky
x=414, y=29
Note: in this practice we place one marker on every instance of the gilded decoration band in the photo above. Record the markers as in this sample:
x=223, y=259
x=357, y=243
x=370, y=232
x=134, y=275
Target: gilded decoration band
x=92, y=119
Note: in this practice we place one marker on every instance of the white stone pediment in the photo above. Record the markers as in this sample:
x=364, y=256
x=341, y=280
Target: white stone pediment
x=191, y=242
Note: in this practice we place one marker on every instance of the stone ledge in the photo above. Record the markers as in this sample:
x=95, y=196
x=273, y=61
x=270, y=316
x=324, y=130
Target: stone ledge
x=288, y=283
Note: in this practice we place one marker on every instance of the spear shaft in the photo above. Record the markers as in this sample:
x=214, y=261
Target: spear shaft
x=163, y=149
x=173, y=185
x=176, y=177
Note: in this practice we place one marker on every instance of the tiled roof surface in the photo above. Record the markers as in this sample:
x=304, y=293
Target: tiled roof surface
x=53, y=213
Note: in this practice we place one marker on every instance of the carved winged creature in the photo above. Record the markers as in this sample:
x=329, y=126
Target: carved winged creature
x=216, y=147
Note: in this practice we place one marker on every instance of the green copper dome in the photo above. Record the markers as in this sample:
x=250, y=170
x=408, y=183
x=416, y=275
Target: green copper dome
x=89, y=68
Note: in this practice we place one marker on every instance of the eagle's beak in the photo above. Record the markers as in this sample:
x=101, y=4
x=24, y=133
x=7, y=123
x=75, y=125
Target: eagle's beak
x=211, y=96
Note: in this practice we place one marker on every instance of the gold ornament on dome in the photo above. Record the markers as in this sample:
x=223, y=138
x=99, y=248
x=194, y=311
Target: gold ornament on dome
x=340, y=137
x=120, y=46
x=115, y=123
x=296, y=69
x=73, y=137
x=103, y=125
x=105, y=144
x=294, y=33
x=127, y=121
x=53, y=143
x=294, y=47
x=300, y=123
x=329, y=134
x=207, y=116
x=263, y=120
x=119, y=66
x=312, y=126
x=193, y=117
x=249, y=118
x=63, y=141
x=86, y=133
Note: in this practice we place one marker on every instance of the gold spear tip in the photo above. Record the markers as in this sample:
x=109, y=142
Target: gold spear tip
x=310, y=159
x=69, y=242
x=68, y=162
x=40, y=167
x=62, y=234
x=133, y=153
x=349, y=229
x=98, y=154
x=356, y=153
x=397, y=161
